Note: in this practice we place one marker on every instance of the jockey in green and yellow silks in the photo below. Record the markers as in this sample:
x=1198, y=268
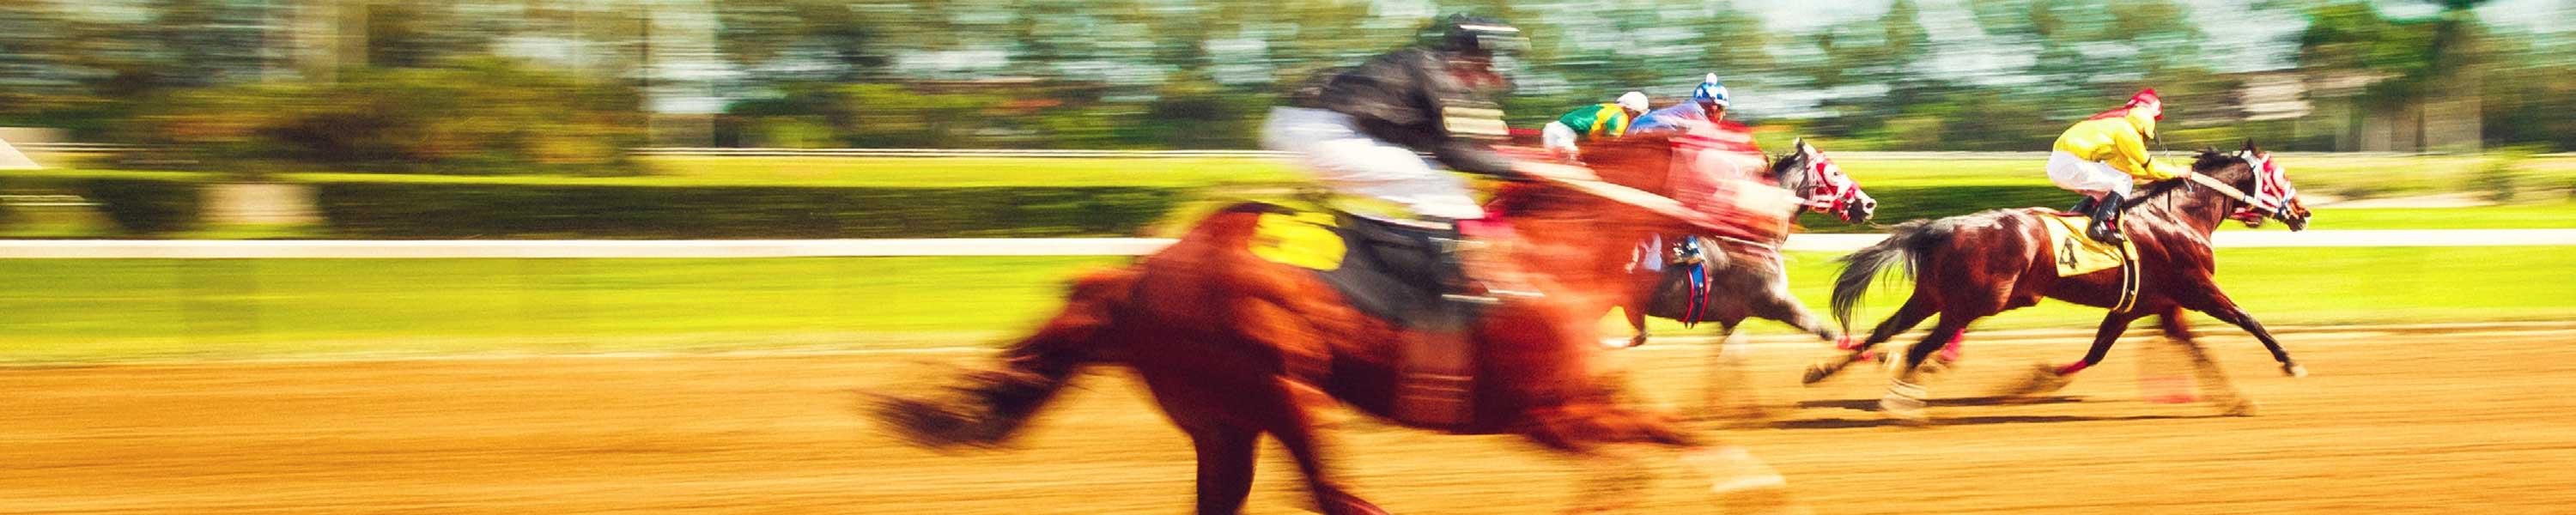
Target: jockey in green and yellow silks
x=2105, y=156
x=1591, y=122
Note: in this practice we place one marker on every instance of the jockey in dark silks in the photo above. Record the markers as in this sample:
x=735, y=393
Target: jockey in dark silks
x=1361, y=130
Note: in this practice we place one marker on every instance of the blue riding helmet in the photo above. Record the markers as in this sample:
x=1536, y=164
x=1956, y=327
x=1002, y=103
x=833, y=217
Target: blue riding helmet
x=1711, y=91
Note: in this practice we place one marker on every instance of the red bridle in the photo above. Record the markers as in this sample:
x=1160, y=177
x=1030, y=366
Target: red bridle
x=2272, y=190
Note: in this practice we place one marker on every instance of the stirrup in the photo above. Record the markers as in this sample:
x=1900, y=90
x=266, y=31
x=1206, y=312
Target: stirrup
x=2105, y=233
x=1462, y=298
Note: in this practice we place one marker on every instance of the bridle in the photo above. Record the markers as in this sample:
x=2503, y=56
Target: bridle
x=2272, y=189
x=1828, y=189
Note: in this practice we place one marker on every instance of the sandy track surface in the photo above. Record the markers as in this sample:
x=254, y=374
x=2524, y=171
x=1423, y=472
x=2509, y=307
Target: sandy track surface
x=2468, y=422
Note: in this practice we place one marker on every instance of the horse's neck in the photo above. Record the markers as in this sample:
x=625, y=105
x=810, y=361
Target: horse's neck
x=2198, y=208
x=1794, y=182
x=1571, y=245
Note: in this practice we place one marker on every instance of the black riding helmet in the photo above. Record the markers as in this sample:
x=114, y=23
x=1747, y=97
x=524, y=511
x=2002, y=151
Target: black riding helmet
x=1463, y=33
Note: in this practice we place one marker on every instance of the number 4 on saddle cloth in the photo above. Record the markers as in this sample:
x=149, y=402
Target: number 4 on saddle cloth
x=2077, y=254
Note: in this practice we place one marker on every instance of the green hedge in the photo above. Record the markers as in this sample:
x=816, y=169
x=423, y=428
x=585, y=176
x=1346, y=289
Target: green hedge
x=139, y=206
x=467, y=210
x=147, y=206
x=5, y=218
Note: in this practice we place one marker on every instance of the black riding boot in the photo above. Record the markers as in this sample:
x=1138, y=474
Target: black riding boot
x=2106, y=219
x=2082, y=206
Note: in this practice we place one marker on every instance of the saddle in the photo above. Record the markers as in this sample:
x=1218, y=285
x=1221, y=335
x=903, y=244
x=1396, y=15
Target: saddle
x=2077, y=254
x=1395, y=271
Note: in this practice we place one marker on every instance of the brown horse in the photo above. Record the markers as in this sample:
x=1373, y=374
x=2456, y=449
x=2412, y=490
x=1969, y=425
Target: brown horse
x=1234, y=347
x=1974, y=266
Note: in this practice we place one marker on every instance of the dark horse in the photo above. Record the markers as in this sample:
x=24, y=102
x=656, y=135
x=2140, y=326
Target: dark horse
x=1746, y=279
x=1741, y=279
x=1234, y=347
x=1974, y=266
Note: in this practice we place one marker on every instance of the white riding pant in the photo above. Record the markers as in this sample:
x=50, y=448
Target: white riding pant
x=1332, y=147
x=2091, y=178
x=1557, y=137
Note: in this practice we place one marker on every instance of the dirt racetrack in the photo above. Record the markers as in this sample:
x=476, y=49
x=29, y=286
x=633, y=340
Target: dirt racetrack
x=2466, y=421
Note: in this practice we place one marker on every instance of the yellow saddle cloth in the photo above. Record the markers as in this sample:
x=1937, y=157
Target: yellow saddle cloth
x=2076, y=253
x=1302, y=239
x=2079, y=254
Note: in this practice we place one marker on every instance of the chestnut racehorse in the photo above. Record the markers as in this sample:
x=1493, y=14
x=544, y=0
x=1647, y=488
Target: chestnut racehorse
x=1974, y=266
x=1234, y=347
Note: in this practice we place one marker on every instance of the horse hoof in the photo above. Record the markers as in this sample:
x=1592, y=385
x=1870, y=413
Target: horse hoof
x=2240, y=408
x=1818, y=372
x=2294, y=370
x=1339, y=503
x=1913, y=417
x=2043, y=379
x=1904, y=410
x=1733, y=469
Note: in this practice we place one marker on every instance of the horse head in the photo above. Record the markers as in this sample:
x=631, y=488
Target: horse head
x=2265, y=182
x=1807, y=173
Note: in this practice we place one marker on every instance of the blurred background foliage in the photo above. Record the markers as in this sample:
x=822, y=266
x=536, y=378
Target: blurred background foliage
x=558, y=86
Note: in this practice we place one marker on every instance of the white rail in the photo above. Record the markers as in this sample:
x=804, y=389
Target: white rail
x=371, y=249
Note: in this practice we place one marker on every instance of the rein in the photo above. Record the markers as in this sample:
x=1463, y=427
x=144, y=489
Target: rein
x=2223, y=188
x=2251, y=204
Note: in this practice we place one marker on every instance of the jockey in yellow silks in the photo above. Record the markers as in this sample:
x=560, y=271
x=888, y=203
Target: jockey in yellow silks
x=2105, y=156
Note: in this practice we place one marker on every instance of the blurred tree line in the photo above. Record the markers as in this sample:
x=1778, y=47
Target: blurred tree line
x=349, y=82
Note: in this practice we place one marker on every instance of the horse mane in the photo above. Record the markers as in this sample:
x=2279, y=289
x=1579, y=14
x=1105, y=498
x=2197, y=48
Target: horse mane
x=2209, y=162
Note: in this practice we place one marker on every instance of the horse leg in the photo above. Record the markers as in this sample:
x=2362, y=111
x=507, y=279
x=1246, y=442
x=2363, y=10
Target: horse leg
x=2046, y=378
x=1294, y=426
x=1225, y=468
x=1776, y=303
x=1613, y=478
x=1610, y=481
x=1214, y=418
x=1905, y=391
x=1636, y=322
x=2224, y=394
x=1729, y=391
x=2225, y=310
x=2162, y=362
x=1916, y=309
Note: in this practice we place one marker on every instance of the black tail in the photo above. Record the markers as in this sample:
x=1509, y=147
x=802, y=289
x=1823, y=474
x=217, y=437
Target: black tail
x=996, y=403
x=1904, y=244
